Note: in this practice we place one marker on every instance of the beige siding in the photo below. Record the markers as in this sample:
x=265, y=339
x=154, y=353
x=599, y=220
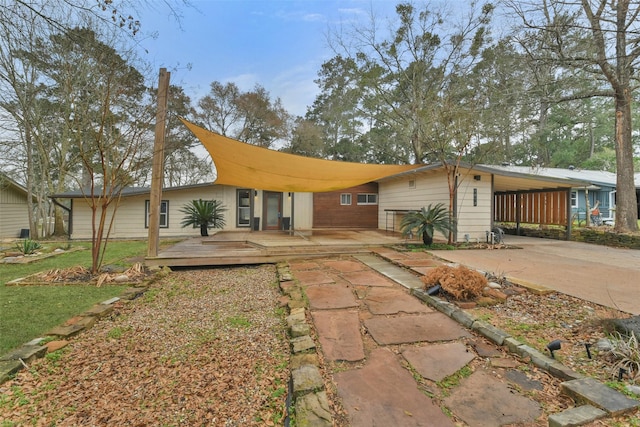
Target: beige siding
x=130, y=220
x=14, y=213
x=398, y=194
x=303, y=210
x=432, y=188
x=474, y=220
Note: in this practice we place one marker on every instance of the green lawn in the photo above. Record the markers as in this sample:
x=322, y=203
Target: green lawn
x=27, y=312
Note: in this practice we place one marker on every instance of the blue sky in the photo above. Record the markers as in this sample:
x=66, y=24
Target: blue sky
x=278, y=44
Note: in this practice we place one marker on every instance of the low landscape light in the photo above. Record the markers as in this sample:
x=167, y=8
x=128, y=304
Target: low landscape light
x=553, y=346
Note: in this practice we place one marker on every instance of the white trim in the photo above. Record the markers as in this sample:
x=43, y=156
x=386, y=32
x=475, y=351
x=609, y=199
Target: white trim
x=345, y=199
x=370, y=199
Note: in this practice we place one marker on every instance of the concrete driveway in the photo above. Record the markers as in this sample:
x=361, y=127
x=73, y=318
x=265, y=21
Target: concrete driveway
x=604, y=275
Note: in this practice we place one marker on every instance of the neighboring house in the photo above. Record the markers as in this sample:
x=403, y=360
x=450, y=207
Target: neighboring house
x=14, y=210
x=376, y=205
x=601, y=189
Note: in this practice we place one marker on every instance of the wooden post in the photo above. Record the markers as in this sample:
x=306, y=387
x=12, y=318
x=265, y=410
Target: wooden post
x=157, y=171
x=569, y=213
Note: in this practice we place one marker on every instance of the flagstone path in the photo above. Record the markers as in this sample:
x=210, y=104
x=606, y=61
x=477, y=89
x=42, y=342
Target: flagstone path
x=383, y=338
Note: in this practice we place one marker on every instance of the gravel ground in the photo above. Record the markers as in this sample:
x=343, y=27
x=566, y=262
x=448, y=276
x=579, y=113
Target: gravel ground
x=201, y=347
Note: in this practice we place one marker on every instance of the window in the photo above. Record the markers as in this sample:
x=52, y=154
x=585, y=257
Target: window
x=612, y=199
x=412, y=183
x=574, y=199
x=243, y=204
x=367, y=199
x=345, y=199
x=164, y=214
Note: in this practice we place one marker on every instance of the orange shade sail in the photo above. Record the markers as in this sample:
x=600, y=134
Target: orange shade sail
x=244, y=165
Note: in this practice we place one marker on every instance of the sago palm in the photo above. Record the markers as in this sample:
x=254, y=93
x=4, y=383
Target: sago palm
x=427, y=221
x=203, y=213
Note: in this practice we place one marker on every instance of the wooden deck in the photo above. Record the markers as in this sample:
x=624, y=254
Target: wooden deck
x=242, y=248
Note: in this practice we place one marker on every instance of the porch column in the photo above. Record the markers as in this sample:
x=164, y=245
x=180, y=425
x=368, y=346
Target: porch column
x=293, y=214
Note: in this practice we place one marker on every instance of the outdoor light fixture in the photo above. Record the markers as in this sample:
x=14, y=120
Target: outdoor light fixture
x=621, y=373
x=255, y=193
x=553, y=346
x=434, y=290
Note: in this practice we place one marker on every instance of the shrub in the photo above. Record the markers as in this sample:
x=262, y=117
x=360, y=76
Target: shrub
x=28, y=246
x=459, y=282
x=625, y=353
x=427, y=221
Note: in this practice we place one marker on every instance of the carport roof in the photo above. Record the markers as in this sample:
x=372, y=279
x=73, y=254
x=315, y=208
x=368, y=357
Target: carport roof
x=505, y=180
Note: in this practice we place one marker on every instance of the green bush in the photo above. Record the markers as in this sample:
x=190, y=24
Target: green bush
x=28, y=246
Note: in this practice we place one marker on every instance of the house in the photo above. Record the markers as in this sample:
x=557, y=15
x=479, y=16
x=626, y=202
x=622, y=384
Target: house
x=14, y=209
x=374, y=205
x=269, y=190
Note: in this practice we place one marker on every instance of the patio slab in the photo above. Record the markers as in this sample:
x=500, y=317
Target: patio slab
x=367, y=278
x=313, y=277
x=345, y=266
x=393, y=301
x=339, y=334
x=385, y=394
x=420, y=262
x=418, y=328
x=324, y=297
x=483, y=400
x=305, y=265
x=438, y=361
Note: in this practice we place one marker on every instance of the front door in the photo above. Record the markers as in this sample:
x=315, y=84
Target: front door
x=272, y=210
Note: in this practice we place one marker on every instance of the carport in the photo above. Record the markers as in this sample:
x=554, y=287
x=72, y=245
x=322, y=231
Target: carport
x=531, y=199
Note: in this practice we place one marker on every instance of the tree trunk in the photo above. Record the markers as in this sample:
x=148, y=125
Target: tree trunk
x=203, y=230
x=426, y=239
x=626, y=201
x=58, y=227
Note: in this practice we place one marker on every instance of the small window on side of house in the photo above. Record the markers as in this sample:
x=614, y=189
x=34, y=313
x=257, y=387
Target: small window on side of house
x=164, y=214
x=345, y=199
x=412, y=183
x=367, y=199
x=574, y=199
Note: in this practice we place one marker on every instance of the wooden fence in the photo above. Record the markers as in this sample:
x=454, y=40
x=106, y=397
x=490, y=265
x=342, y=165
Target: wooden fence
x=547, y=208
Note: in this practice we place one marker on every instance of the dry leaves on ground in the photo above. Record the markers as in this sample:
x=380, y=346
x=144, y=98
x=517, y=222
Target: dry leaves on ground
x=538, y=320
x=201, y=347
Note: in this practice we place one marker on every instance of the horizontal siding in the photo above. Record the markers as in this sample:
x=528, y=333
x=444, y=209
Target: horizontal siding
x=399, y=195
x=130, y=220
x=474, y=220
x=13, y=218
x=303, y=211
x=14, y=212
x=433, y=188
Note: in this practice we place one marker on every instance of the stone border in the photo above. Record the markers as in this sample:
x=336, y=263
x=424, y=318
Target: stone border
x=306, y=386
x=596, y=400
x=17, y=359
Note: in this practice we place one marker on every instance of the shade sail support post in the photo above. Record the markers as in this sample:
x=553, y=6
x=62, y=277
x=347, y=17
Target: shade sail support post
x=157, y=170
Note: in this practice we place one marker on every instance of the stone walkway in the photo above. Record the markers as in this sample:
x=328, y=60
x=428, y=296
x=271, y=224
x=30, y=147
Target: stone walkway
x=396, y=361
x=383, y=339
